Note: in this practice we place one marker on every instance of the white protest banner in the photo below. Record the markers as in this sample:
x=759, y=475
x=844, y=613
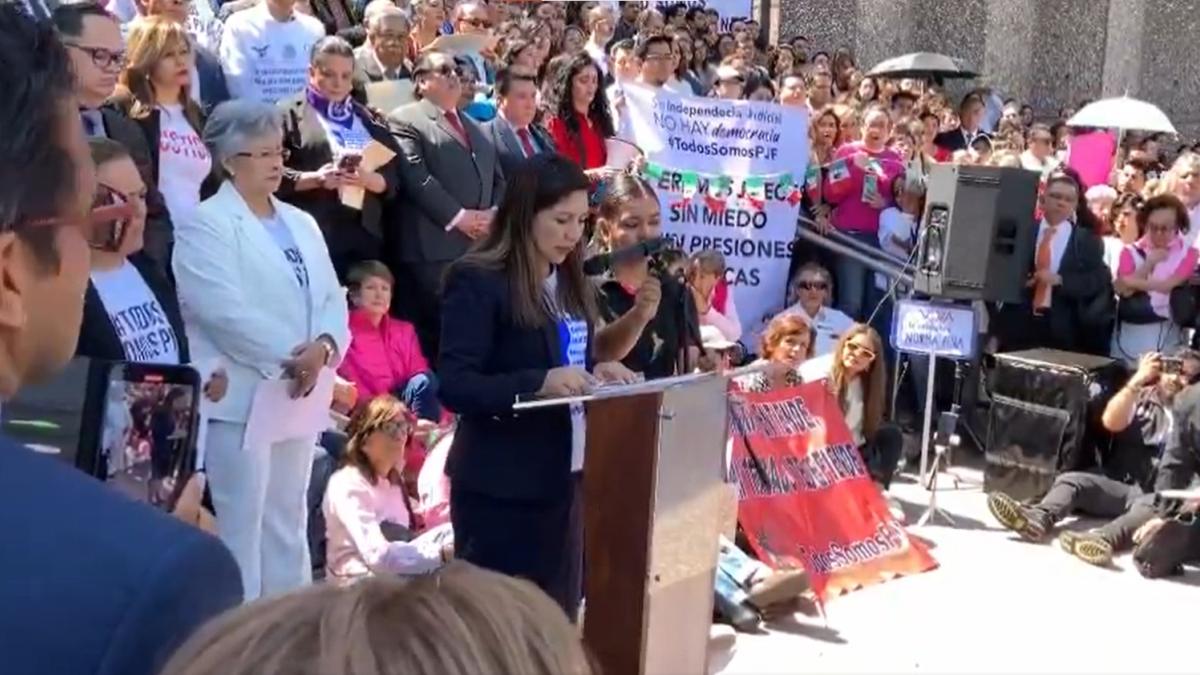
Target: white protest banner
x=944, y=330
x=728, y=10
x=728, y=180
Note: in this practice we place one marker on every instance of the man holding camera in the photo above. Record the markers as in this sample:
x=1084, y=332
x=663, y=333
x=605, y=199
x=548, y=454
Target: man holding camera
x=1142, y=423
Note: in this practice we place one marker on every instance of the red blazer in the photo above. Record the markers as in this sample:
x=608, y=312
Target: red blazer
x=592, y=140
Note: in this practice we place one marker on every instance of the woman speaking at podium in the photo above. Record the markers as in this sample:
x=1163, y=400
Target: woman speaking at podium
x=518, y=316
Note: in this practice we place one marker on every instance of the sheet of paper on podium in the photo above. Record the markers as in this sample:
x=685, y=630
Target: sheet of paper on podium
x=388, y=95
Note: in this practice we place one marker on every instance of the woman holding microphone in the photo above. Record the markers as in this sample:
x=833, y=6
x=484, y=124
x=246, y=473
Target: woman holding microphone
x=518, y=316
x=258, y=291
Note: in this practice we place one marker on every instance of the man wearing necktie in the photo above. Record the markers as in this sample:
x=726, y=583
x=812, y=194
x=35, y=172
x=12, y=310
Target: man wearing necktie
x=473, y=18
x=1068, y=281
x=453, y=182
x=384, y=56
x=970, y=116
x=513, y=132
x=93, y=39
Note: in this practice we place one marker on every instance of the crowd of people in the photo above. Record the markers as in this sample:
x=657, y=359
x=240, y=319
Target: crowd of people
x=274, y=223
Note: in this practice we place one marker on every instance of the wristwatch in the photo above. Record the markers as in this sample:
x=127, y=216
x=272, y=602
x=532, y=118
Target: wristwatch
x=327, y=344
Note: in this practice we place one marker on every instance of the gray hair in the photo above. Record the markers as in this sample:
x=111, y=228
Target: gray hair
x=330, y=46
x=378, y=10
x=235, y=124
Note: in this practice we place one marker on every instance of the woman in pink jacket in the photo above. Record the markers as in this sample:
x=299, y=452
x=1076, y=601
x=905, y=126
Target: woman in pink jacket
x=384, y=355
x=859, y=185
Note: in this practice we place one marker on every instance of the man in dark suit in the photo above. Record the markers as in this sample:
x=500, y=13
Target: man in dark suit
x=513, y=132
x=454, y=183
x=90, y=581
x=97, y=52
x=970, y=119
x=1068, y=305
x=384, y=56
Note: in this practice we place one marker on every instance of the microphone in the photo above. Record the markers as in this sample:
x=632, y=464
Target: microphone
x=599, y=264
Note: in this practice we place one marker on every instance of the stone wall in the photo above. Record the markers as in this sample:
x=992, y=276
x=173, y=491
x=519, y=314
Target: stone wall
x=1049, y=53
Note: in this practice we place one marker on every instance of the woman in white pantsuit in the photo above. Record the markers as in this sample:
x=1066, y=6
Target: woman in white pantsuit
x=257, y=290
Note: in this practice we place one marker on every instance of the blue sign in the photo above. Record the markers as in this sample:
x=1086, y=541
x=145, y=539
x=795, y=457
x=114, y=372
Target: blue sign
x=944, y=330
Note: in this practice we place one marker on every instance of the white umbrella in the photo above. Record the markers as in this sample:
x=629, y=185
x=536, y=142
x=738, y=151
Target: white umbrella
x=1124, y=114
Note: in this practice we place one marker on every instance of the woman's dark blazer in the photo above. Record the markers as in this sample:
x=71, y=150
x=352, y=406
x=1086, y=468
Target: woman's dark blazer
x=151, y=127
x=486, y=362
x=349, y=233
x=98, y=338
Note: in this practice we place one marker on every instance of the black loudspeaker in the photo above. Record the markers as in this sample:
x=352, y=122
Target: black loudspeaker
x=1045, y=417
x=978, y=233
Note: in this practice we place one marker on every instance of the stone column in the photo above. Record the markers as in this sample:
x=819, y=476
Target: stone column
x=828, y=24
x=1009, y=42
x=1069, y=53
x=885, y=29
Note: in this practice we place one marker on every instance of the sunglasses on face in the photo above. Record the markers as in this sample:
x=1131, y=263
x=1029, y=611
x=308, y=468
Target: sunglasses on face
x=478, y=23
x=856, y=349
x=812, y=285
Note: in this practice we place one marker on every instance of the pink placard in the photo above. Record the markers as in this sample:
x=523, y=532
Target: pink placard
x=1091, y=154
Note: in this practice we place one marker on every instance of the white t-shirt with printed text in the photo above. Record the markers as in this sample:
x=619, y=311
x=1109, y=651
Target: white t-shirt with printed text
x=141, y=324
x=183, y=162
x=264, y=59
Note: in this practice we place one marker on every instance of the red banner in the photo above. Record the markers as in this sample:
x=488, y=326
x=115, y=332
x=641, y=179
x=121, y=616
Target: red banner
x=805, y=499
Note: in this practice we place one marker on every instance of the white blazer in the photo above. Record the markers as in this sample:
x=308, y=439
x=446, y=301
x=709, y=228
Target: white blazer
x=239, y=296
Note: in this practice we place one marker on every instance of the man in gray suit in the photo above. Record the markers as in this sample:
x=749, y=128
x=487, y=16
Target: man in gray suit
x=513, y=132
x=453, y=181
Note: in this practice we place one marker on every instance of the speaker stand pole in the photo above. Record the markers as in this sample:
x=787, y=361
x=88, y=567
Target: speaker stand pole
x=927, y=427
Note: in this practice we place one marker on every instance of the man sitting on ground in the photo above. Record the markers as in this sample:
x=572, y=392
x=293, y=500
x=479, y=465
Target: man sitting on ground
x=1139, y=417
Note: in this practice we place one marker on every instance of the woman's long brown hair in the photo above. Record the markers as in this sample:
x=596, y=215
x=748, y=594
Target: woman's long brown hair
x=538, y=184
x=366, y=421
x=874, y=380
x=150, y=39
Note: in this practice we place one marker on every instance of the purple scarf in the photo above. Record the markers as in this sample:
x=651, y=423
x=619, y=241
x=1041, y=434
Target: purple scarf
x=338, y=114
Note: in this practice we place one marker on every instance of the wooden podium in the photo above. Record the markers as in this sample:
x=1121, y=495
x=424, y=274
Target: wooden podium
x=653, y=492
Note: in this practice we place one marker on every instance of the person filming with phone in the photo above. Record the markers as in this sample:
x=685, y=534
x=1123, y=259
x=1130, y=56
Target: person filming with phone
x=258, y=290
x=1143, y=458
x=90, y=580
x=325, y=132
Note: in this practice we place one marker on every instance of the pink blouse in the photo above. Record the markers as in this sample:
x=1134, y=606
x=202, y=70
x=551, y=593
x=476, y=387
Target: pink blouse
x=1180, y=261
x=356, y=547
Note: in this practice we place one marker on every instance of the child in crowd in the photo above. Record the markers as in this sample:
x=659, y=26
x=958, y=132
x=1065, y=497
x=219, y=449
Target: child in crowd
x=384, y=355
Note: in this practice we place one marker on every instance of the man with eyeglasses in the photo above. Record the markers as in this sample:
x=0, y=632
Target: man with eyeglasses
x=384, y=56
x=90, y=581
x=97, y=53
x=453, y=180
x=1146, y=456
x=473, y=18
x=654, y=59
x=1039, y=153
x=810, y=292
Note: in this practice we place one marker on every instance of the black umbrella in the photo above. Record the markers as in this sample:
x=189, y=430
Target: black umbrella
x=923, y=65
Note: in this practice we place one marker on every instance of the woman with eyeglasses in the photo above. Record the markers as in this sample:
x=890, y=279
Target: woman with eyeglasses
x=857, y=377
x=155, y=91
x=370, y=521
x=259, y=292
x=581, y=121
x=130, y=312
x=1149, y=271
x=326, y=134
x=809, y=294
